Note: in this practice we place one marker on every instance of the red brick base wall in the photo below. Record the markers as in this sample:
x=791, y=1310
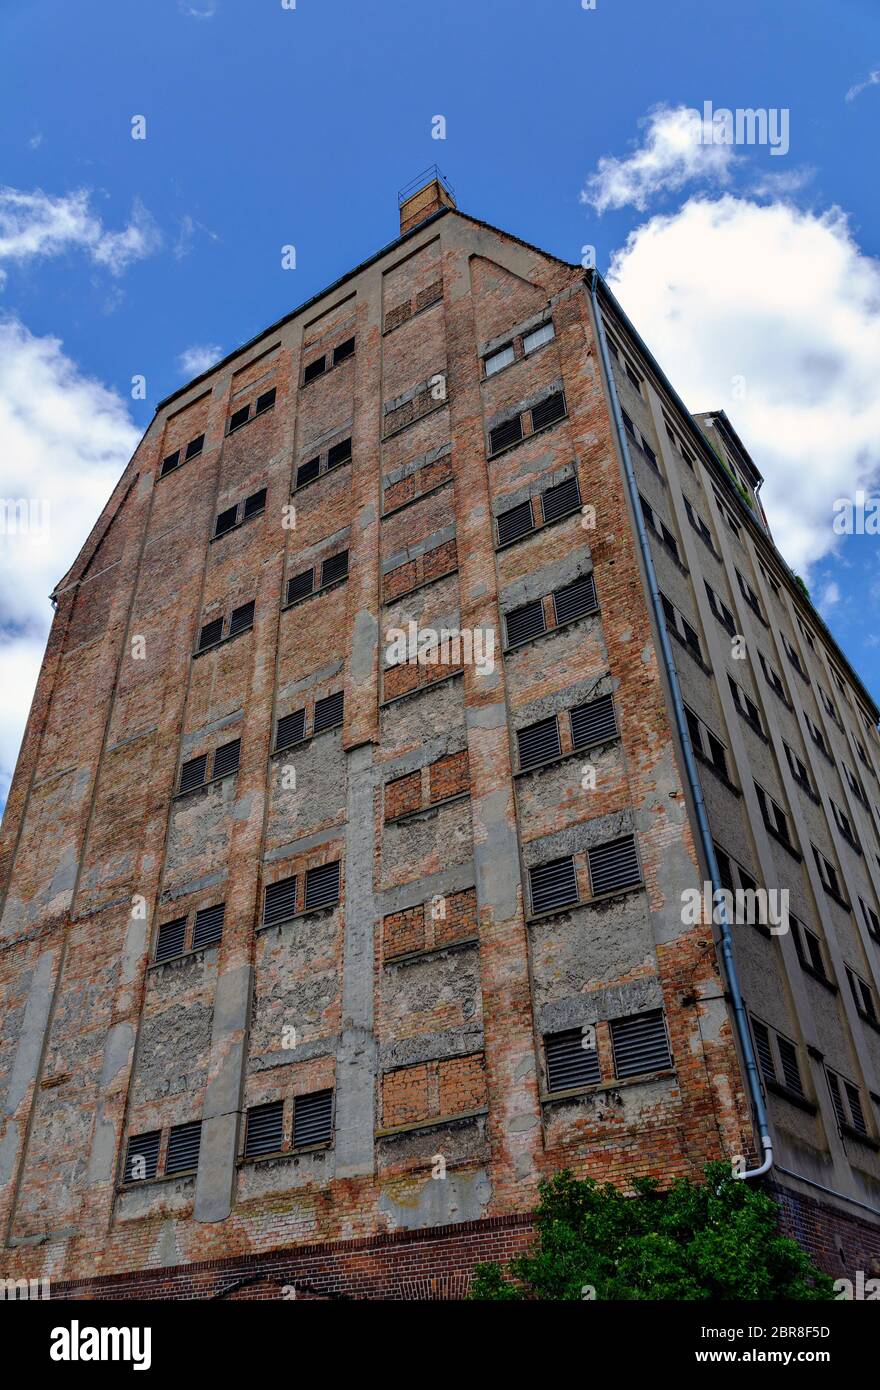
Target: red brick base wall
x=839, y=1243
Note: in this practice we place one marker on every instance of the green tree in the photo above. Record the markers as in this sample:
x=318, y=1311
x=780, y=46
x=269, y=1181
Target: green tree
x=714, y=1240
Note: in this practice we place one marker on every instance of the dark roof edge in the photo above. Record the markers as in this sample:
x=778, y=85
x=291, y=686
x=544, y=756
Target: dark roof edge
x=743, y=457
x=706, y=453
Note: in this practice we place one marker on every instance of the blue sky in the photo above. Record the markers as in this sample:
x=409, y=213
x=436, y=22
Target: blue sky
x=267, y=126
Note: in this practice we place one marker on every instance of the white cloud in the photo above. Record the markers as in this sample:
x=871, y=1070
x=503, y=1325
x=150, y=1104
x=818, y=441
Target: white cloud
x=206, y=10
x=64, y=441
x=671, y=155
x=38, y=224
x=870, y=81
x=830, y=596
x=36, y=141
x=198, y=358
x=772, y=314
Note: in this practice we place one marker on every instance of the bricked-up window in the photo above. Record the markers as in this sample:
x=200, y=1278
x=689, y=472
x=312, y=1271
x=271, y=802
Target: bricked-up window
x=334, y=568
x=322, y=886
x=343, y=350
x=538, y=743
x=614, y=866
x=829, y=876
x=548, y=411
x=314, y=369
x=506, y=434
x=291, y=729
x=142, y=1156
x=809, y=949
x=553, y=885
x=561, y=499
x=847, y=1101
x=184, y=1142
x=525, y=623
x=265, y=401
x=239, y=418
x=863, y=996
x=338, y=454
x=307, y=471
x=517, y=522
x=210, y=634
x=497, y=360
x=328, y=712
x=640, y=1044
x=312, y=1119
x=592, y=723
x=265, y=1129
x=576, y=600
x=193, y=772
x=226, y=758
x=280, y=901
x=242, y=618
x=170, y=940
x=301, y=585
x=209, y=926
x=570, y=1064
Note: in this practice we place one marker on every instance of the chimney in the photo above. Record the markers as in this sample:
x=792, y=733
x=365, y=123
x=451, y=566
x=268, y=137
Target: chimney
x=424, y=196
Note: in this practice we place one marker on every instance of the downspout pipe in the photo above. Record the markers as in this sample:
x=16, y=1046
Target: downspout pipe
x=753, y=1080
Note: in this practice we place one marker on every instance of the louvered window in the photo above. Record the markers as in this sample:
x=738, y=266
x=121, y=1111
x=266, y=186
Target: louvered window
x=510, y=432
x=226, y=758
x=265, y=1129
x=525, y=623
x=343, y=350
x=790, y=1069
x=857, y=1114
x=539, y=742
x=184, y=1142
x=338, y=454
x=312, y=1119
x=209, y=926
x=170, y=463
x=265, y=401
x=575, y=600
x=515, y=523
x=322, y=885
x=615, y=865
x=559, y=500
x=549, y=411
x=210, y=634
x=291, y=729
x=553, y=885
x=142, y=1156
x=280, y=901
x=192, y=774
x=195, y=446
x=328, y=712
x=314, y=369
x=764, y=1052
x=171, y=938
x=300, y=586
x=226, y=520
x=255, y=503
x=242, y=618
x=239, y=418
x=334, y=567
x=640, y=1044
x=593, y=723
x=837, y=1098
x=307, y=471
x=569, y=1063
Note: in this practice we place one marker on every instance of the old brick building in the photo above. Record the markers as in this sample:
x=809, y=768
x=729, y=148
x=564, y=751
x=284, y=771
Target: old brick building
x=315, y=956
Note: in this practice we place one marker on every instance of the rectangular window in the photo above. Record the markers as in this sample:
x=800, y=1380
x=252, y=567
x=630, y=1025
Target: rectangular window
x=255, y=503
x=829, y=876
x=171, y=939
x=209, y=926
x=322, y=885
x=798, y=769
x=817, y=736
x=238, y=418
x=750, y=596
x=593, y=723
x=184, y=1143
x=570, y=1065
x=300, y=586
x=210, y=634
x=548, y=411
x=698, y=524
x=264, y=1134
x=863, y=995
x=307, y=471
x=328, y=712
x=291, y=729
x=280, y=901
x=338, y=454
x=761, y=1034
x=791, y=1074
x=640, y=1044
x=553, y=885
x=314, y=369
x=793, y=657
x=844, y=825
x=265, y=401
x=142, y=1156
x=629, y=426
x=614, y=866
x=498, y=360
x=334, y=568
x=525, y=623
x=192, y=773
x=515, y=523
x=510, y=432
x=226, y=758
x=872, y=920
x=774, y=680
x=226, y=520
x=575, y=600
x=343, y=351
x=538, y=743
x=312, y=1119
x=242, y=618
x=721, y=611
x=809, y=948
x=560, y=500
x=170, y=463
x=538, y=338
x=775, y=818
x=194, y=447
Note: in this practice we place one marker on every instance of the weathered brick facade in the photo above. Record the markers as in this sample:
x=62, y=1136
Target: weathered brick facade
x=370, y=825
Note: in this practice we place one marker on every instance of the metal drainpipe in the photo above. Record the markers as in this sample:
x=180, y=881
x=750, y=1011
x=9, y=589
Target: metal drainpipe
x=739, y=1013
